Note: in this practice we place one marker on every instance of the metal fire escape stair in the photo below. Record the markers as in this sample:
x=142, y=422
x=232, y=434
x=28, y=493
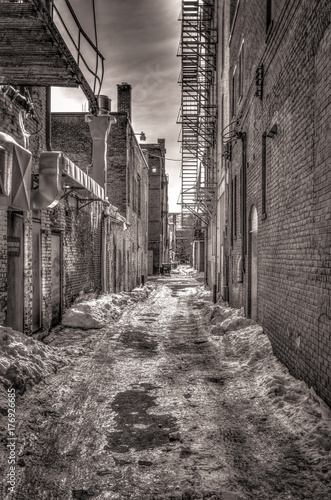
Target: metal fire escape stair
x=198, y=111
x=34, y=50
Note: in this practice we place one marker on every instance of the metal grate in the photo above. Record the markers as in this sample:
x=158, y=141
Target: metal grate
x=198, y=111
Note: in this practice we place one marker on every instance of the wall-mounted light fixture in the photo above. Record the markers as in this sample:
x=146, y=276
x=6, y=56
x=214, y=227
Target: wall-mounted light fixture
x=273, y=131
x=142, y=136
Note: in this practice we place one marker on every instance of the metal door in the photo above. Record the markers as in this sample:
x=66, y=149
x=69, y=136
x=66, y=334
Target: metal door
x=36, y=276
x=15, y=272
x=115, y=269
x=150, y=261
x=56, y=293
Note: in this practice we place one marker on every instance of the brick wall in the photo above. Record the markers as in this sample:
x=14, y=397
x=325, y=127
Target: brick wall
x=35, y=125
x=157, y=229
x=126, y=247
x=294, y=277
x=3, y=264
x=71, y=135
x=124, y=91
x=118, y=155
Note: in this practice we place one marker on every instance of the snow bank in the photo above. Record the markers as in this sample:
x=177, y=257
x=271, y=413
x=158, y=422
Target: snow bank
x=25, y=361
x=89, y=312
x=249, y=354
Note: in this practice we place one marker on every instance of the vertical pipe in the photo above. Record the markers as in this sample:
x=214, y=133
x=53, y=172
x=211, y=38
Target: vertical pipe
x=48, y=124
x=104, y=254
x=243, y=218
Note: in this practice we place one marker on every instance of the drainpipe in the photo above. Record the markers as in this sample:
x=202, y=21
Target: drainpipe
x=215, y=277
x=243, y=201
x=104, y=254
x=206, y=255
x=48, y=124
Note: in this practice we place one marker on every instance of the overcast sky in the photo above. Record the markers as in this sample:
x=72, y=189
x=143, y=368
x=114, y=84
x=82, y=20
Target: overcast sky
x=139, y=40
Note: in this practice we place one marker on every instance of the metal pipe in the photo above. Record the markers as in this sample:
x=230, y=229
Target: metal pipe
x=48, y=124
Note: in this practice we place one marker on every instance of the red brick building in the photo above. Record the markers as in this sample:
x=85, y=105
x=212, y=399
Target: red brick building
x=280, y=179
x=126, y=188
x=267, y=226
x=158, y=244
x=53, y=213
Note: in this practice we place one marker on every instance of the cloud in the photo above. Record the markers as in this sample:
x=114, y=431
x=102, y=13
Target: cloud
x=139, y=40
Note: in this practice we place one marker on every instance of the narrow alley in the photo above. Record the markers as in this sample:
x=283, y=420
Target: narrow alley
x=155, y=406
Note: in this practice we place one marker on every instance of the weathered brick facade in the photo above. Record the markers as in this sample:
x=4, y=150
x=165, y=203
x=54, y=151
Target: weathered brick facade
x=158, y=245
x=126, y=188
x=279, y=261
x=79, y=231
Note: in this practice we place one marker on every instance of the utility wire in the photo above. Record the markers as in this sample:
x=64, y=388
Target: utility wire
x=162, y=158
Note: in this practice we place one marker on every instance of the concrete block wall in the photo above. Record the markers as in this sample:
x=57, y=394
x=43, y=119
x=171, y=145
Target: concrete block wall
x=294, y=262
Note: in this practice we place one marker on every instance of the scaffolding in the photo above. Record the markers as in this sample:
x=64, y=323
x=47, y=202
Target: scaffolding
x=198, y=113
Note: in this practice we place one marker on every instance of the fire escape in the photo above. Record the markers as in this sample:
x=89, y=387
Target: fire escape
x=198, y=113
x=43, y=44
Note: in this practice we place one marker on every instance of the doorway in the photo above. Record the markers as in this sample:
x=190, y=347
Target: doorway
x=150, y=261
x=15, y=271
x=56, y=294
x=36, y=276
x=253, y=263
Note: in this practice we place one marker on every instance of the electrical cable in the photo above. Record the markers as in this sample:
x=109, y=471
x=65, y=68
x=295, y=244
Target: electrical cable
x=96, y=44
x=162, y=158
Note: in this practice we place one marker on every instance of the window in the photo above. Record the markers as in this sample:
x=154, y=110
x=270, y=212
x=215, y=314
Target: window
x=233, y=100
x=269, y=15
x=241, y=72
x=233, y=209
x=264, y=175
x=134, y=195
x=223, y=38
x=129, y=186
x=237, y=83
x=139, y=195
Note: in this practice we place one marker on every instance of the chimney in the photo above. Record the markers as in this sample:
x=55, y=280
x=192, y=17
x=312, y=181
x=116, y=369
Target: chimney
x=161, y=143
x=124, y=98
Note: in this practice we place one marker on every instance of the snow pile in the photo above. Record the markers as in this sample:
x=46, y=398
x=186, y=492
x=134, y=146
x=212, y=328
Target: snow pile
x=225, y=319
x=25, y=361
x=249, y=354
x=89, y=312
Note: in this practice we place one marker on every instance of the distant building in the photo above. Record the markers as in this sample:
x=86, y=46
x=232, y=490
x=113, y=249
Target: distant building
x=158, y=244
x=172, y=228
x=126, y=180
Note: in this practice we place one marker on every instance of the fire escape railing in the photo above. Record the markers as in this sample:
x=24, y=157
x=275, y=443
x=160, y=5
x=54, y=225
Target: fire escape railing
x=98, y=71
x=198, y=112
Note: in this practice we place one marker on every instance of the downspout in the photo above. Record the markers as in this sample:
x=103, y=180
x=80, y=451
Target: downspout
x=243, y=202
x=104, y=254
x=215, y=250
x=48, y=125
x=206, y=255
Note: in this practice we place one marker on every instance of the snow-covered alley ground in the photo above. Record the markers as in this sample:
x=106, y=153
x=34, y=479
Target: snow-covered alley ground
x=174, y=399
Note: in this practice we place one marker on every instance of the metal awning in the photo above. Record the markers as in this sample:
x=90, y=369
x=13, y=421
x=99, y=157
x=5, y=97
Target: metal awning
x=75, y=178
x=57, y=172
